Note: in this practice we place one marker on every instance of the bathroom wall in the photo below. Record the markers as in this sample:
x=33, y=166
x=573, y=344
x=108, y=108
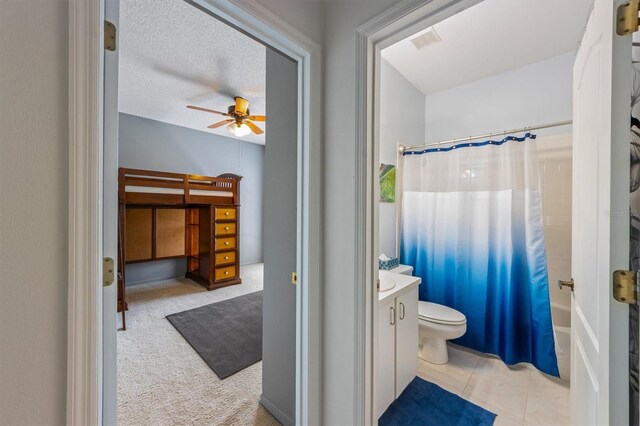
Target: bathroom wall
x=537, y=93
x=402, y=115
x=153, y=145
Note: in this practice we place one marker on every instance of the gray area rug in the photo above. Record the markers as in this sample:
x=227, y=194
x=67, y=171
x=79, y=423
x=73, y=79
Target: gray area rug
x=227, y=334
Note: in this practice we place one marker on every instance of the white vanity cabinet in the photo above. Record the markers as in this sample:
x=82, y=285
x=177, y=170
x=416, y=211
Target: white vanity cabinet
x=397, y=357
x=406, y=339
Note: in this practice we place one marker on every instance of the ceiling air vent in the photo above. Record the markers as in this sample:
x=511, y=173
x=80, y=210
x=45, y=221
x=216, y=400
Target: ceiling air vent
x=425, y=39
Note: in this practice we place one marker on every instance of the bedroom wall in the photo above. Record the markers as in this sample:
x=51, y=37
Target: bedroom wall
x=153, y=145
x=33, y=218
x=402, y=116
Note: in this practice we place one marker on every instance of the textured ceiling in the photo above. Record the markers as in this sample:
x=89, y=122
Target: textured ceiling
x=491, y=37
x=173, y=54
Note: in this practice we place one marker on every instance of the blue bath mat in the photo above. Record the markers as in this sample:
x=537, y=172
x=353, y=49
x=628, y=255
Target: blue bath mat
x=424, y=403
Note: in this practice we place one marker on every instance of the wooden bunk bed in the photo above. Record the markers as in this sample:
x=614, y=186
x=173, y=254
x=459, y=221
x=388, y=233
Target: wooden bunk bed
x=164, y=215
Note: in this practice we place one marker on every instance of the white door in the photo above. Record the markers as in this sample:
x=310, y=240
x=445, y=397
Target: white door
x=110, y=219
x=406, y=339
x=386, y=360
x=599, y=342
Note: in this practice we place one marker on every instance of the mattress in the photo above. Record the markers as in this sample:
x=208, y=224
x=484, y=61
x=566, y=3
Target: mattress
x=176, y=191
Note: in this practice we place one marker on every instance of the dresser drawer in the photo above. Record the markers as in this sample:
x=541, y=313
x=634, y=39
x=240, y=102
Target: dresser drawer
x=225, y=258
x=225, y=243
x=225, y=228
x=225, y=213
x=225, y=273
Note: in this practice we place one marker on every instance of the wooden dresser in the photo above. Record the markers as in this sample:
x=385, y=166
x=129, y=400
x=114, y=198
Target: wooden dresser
x=214, y=244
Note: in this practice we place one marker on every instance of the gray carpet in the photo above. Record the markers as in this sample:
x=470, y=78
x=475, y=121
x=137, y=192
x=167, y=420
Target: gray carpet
x=227, y=334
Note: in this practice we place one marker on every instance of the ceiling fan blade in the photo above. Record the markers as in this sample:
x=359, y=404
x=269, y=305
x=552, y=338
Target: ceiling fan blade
x=258, y=117
x=207, y=110
x=241, y=105
x=220, y=123
x=255, y=129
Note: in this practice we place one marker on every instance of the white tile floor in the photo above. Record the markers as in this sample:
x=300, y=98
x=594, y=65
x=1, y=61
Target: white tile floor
x=519, y=395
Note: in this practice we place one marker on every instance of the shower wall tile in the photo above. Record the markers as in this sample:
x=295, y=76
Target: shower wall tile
x=554, y=158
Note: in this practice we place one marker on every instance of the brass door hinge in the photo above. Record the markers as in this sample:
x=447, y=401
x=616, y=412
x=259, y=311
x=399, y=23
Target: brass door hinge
x=562, y=283
x=625, y=287
x=627, y=18
x=294, y=278
x=107, y=271
x=109, y=36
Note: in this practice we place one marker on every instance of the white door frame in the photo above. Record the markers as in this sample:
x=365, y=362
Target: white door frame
x=393, y=25
x=398, y=22
x=86, y=83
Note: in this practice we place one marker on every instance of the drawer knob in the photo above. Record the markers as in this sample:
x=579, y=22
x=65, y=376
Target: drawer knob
x=226, y=258
x=226, y=228
x=226, y=272
x=226, y=213
x=226, y=243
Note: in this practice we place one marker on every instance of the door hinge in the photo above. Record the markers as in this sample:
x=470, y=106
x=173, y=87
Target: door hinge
x=294, y=278
x=562, y=283
x=107, y=271
x=625, y=287
x=627, y=18
x=109, y=36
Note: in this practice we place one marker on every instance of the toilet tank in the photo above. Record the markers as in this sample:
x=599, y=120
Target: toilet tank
x=403, y=269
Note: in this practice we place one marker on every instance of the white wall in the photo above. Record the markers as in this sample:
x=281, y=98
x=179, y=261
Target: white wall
x=538, y=93
x=153, y=145
x=342, y=18
x=402, y=122
x=34, y=213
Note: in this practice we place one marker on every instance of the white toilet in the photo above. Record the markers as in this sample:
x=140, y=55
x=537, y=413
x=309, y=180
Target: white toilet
x=437, y=324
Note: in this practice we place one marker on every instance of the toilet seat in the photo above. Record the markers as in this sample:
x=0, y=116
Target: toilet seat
x=440, y=314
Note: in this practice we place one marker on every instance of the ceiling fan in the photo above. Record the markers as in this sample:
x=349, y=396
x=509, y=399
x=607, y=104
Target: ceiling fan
x=241, y=122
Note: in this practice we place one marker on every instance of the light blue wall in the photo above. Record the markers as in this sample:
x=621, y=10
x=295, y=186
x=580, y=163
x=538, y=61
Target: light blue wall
x=537, y=93
x=153, y=145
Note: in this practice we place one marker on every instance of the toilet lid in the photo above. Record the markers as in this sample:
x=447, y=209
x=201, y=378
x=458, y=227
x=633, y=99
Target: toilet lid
x=440, y=314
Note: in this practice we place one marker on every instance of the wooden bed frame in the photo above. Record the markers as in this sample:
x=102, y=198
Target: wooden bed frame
x=164, y=215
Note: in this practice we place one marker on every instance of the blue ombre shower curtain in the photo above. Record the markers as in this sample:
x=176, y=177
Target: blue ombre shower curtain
x=472, y=228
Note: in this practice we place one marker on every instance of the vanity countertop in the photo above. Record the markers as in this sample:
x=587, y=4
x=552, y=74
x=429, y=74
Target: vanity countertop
x=403, y=283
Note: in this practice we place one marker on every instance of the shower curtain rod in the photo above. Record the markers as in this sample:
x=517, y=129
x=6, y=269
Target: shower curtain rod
x=404, y=149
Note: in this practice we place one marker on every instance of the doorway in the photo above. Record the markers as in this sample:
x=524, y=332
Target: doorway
x=376, y=36
x=176, y=250
x=93, y=396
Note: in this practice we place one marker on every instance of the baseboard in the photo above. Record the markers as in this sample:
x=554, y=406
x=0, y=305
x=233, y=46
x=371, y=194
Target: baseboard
x=275, y=411
x=154, y=280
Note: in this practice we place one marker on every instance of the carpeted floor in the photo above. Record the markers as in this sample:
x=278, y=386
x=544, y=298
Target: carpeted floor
x=163, y=381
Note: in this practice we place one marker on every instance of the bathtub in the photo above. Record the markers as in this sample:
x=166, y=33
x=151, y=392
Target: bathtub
x=561, y=316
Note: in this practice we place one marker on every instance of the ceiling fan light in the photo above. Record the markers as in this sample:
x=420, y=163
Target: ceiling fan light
x=238, y=130
x=243, y=130
x=232, y=128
